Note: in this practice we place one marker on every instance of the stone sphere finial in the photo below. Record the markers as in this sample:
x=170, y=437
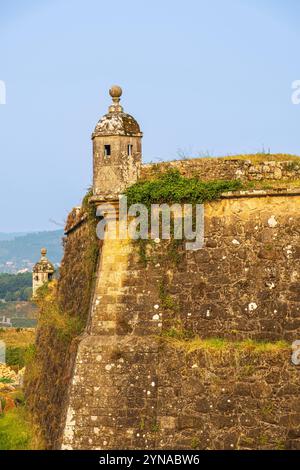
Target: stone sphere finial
x=43, y=251
x=115, y=92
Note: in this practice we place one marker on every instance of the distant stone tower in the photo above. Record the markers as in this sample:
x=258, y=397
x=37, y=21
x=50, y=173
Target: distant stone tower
x=42, y=272
x=117, y=151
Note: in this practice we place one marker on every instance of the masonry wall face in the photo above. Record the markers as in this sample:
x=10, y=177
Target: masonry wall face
x=222, y=168
x=131, y=389
x=223, y=400
x=245, y=283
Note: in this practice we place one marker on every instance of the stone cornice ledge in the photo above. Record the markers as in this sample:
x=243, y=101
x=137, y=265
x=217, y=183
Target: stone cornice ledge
x=262, y=193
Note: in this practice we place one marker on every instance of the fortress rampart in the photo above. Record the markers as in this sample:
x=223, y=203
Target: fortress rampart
x=178, y=349
x=133, y=389
x=246, y=168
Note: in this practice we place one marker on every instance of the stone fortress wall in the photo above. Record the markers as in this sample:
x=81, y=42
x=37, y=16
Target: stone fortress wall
x=180, y=349
x=229, y=168
x=134, y=386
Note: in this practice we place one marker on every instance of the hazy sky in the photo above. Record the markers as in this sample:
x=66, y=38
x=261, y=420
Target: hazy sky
x=199, y=75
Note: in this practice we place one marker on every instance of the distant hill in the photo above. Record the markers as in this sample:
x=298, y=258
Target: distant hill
x=21, y=252
x=11, y=236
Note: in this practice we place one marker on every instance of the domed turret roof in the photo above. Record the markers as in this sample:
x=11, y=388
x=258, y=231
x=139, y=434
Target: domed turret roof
x=44, y=265
x=116, y=122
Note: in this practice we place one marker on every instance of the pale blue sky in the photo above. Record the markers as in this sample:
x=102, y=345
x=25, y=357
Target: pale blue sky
x=199, y=75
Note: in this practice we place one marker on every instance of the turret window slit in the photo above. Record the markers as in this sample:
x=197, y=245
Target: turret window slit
x=107, y=151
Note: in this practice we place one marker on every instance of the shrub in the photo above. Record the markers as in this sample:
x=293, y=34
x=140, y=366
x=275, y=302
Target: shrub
x=172, y=187
x=6, y=380
x=15, y=356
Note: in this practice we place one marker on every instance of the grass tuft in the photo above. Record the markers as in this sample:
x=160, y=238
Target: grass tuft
x=180, y=340
x=261, y=157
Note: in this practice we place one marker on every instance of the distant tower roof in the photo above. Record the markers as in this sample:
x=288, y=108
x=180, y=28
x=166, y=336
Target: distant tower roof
x=116, y=122
x=44, y=264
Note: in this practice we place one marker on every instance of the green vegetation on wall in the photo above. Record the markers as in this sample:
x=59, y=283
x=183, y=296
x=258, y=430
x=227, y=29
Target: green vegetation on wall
x=78, y=268
x=172, y=187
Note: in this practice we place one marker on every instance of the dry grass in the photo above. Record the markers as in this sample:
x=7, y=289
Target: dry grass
x=15, y=338
x=259, y=157
x=52, y=316
x=273, y=184
x=218, y=344
x=265, y=157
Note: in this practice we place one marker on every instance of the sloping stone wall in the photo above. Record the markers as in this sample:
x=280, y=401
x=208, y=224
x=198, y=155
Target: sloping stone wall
x=132, y=390
x=50, y=371
x=114, y=376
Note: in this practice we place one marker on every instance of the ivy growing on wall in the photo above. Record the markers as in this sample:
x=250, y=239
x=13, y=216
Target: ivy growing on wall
x=172, y=187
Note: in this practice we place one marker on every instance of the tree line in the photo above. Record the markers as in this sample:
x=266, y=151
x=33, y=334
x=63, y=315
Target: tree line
x=15, y=287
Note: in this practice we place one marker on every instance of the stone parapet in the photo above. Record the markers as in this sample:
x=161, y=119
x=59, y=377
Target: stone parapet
x=223, y=168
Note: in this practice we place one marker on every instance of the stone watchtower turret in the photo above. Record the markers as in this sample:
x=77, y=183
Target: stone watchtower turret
x=117, y=151
x=42, y=272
